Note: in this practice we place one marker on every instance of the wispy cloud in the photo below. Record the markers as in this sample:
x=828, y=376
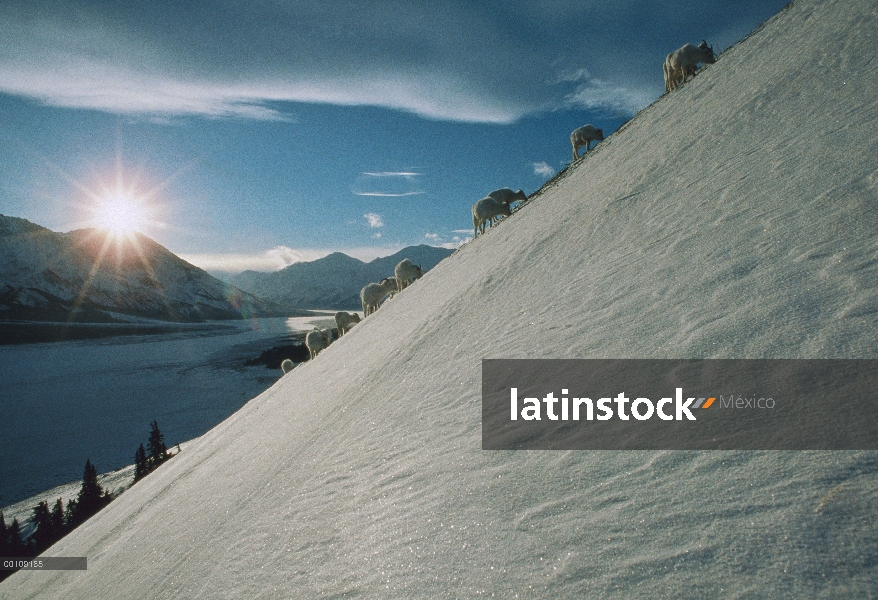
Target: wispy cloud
x=593, y=93
x=456, y=62
x=238, y=60
x=452, y=243
x=409, y=174
x=543, y=169
x=456, y=242
x=389, y=194
x=374, y=220
x=388, y=184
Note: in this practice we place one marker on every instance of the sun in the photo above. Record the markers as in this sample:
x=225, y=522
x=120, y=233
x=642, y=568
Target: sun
x=120, y=214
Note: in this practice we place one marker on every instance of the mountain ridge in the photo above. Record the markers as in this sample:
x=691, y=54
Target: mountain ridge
x=334, y=281
x=87, y=276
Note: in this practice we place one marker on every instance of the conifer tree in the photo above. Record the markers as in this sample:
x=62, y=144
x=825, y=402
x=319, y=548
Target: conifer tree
x=90, y=493
x=70, y=514
x=58, y=518
x=91, y=497
x=15, y=545
x=141, y=466
x=43, y=536
x=155, y=445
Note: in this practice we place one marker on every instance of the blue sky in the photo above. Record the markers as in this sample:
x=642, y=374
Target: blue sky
x=258, y=133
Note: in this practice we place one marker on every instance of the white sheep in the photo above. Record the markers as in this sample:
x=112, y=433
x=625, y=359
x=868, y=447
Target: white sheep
x=287, y=365
x=506, y=196
x=344, y=321
x=372, y=295
x=404, y=272
x=682, y=63
x=316, y=341
x=584, y=136
x=485, y=210
x=672, y=77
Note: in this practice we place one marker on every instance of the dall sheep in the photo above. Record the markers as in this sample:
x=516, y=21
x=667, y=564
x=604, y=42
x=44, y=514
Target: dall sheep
x=316, y=341
x=680, y=64
x=404, y=272
x=507, y=196
x=287, y=365
x=584, y=136
x=372, y=295
x=344, y=321
x=485, y=210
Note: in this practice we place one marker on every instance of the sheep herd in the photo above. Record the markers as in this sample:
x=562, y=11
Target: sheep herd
x=678, y=67
x=371, y=298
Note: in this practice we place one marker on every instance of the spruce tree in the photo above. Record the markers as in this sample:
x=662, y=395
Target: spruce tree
x=43, y=536
x=91, y=497
x=70, y=514
x=58, y=518
x=158, y=452
x=16, y=546
x=141, y=466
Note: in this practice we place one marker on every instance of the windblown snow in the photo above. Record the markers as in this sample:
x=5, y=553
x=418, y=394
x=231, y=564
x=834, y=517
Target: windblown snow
x=734, y=218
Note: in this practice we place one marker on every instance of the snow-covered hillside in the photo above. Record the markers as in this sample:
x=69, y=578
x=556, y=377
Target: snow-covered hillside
x=84, y=276
x=736, y=217
x=333, y=281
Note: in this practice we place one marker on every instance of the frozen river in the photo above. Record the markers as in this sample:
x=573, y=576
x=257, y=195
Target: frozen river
x=62, y=403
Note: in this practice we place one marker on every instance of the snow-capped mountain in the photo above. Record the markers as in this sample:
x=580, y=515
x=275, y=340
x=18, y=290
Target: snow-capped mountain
x=333, y=281
x=84, y=275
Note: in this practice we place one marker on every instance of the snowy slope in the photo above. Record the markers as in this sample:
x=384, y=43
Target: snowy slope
x=44, y=275
x=733, y=218
x=333, y=281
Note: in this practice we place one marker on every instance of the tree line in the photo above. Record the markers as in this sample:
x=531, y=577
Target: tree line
x=51, y=524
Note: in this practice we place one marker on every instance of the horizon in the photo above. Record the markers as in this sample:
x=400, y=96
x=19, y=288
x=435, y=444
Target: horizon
x=252, y=140
x=225, y=275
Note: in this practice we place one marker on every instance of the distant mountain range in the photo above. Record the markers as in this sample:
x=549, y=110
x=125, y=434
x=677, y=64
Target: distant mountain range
x=84, y=276
x=332, y=282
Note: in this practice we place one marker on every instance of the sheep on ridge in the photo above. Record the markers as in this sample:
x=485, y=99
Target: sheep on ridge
x=681, y=63
x=404, y=272
x=485, y=210
x=287, y=365
x=344, y=321
x=584, y=136
x=316, y=341
x=507, y=196
x=372, y=295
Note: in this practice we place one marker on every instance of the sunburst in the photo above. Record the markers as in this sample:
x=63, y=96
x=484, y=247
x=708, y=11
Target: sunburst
x=117, y=212
x=120, y=214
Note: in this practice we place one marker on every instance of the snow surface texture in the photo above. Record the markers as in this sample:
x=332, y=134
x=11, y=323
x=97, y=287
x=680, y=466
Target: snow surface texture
x=734, y=218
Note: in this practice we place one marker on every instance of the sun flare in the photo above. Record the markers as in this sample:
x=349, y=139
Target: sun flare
x=119, y=214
